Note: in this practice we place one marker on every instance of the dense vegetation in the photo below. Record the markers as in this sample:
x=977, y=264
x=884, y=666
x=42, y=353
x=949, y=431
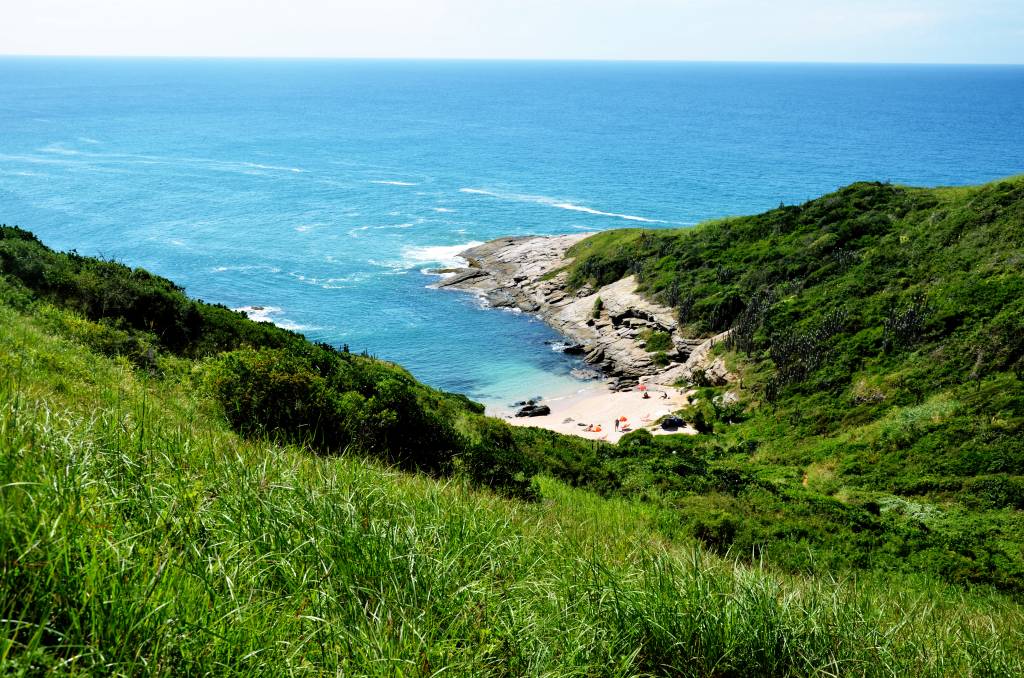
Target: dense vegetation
x=141, y=535
x=854, y=506
x=879, y=335
x=269, y=381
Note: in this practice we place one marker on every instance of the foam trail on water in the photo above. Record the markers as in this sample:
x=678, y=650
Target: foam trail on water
x=558, y=204
x=245, y=267
x=394, y=183
x=407, y=224
x=135, y=158
x=588, y=210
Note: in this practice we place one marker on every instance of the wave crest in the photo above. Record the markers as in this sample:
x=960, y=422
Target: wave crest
x=557, y=204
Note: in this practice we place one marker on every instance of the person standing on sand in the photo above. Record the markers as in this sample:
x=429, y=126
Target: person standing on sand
x=616, y=424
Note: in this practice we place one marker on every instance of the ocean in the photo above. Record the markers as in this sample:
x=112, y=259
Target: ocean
x=322, y=190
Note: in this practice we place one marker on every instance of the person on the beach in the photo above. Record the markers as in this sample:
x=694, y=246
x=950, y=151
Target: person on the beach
x=616, y=424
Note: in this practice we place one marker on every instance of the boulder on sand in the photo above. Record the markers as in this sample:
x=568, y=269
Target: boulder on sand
x=534, y=411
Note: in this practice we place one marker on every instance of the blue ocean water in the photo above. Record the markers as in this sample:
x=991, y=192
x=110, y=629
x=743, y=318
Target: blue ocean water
x=321, y=189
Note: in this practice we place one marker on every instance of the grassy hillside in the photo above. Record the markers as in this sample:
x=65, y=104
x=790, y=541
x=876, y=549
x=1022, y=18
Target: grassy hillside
x=183, y=490
x=268, y=381
x=879, y=334
x=140, y=535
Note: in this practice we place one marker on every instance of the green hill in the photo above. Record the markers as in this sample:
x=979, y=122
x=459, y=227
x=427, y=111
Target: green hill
x=185, y=491
x=879, y=335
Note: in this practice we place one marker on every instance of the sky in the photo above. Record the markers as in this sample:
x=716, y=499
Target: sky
x=901, y=31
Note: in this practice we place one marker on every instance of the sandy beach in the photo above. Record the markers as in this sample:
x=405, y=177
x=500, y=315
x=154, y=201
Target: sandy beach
x=602, y=407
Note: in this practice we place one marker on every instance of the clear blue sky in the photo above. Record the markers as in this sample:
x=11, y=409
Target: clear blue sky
x=943, y=31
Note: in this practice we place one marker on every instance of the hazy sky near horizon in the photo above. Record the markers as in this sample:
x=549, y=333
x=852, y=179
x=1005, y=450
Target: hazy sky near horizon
x=935, y=31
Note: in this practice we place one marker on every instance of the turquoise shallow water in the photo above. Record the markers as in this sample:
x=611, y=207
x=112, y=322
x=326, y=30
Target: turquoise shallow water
x=321, y=189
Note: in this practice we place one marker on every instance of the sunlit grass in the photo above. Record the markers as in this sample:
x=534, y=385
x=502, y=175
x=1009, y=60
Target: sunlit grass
x=140, y=536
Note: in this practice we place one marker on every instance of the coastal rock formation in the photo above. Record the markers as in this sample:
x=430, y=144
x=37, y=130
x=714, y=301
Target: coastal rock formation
x=528, y=273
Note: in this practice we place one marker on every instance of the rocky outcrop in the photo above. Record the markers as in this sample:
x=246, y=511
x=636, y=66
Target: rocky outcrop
x=529, y=273
x=699, y=367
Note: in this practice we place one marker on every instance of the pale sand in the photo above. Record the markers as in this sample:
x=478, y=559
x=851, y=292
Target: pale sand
x=600, y=406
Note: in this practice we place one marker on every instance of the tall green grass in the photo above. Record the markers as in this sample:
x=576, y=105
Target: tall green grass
x=140, y=536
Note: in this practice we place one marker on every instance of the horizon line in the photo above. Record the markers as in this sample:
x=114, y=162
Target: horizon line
x=222, y=57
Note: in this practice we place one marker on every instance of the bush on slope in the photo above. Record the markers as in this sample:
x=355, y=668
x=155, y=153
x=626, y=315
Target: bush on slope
x=139, y=535
x=268, y=380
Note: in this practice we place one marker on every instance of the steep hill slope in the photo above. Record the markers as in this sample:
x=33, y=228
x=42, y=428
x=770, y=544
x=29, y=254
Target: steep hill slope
x=140, y=535
x=879, y=332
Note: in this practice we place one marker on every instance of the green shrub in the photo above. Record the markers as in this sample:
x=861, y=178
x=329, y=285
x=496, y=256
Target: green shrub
x=337, y=402
x=995, y=492
x=716, y=530
x=656, y=341
x=495, y=460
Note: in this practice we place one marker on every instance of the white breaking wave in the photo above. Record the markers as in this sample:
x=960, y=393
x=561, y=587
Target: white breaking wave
x=558, y=204
x=588, y=210
x=426, y=257
x=394, y=183
x=267, y=314
x=445, y=256
x=443, y=210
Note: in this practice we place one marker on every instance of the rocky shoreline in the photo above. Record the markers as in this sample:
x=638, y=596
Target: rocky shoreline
x=528, y=273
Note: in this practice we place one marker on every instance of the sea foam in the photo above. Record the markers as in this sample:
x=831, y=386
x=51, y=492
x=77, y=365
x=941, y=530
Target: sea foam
x=444, y=256
x=556, y=203
x=269, y=314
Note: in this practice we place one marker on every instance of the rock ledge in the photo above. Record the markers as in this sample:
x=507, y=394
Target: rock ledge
x=527, y=273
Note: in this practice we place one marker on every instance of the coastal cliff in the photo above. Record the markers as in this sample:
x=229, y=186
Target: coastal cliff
x=624, y=335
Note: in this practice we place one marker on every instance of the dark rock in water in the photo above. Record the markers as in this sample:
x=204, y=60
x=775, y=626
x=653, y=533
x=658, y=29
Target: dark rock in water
x=574, y=349
x=585, y=374
x=534, y=411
